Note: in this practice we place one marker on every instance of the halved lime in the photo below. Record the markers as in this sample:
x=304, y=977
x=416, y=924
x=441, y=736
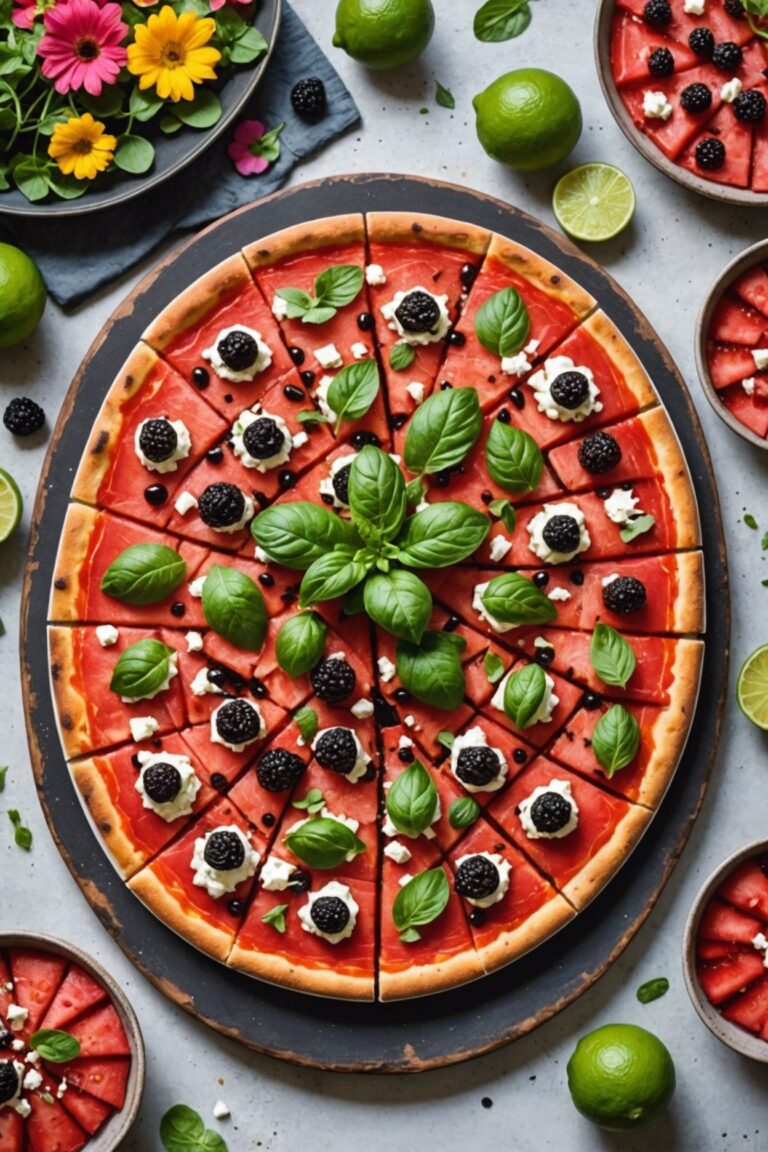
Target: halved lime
x=752, y=687
x=11, y=505
x=593, y=202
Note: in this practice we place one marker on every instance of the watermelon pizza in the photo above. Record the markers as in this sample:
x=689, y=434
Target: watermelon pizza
x=377, y=620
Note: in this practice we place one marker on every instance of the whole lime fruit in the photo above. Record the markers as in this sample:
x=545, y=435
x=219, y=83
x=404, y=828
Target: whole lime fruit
x=620, y=1076
x=528, y=119
x=384, y=34
x=22, y=295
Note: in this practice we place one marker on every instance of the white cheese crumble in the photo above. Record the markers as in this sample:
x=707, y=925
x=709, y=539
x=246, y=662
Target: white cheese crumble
x=220, y=1110
x=261, y=555
x=196, y=587
x=536, y=526
x=244, y=420
x=321, y=395
x=387, y=669
x=260, y=364
x=730, y=90
x=362, y=759
x=749, y=385
x=416, y=391
x=621, y=505
x=142, y=727
x=559, y=594
x=694, y=7
x=359, y=350
x=405, y=742
x=32, y=1080
x=217, y=739
x=202, y=686
x=409, y=720
x=542, y=381
x=656, y=106
x=194, y=641
x=375, y=275
x=279, y=308
x=18, y=1045
x=180, y=452
x=181, y=804
x=398, y=852
x=63, y=1085
x=500, y=545
x=503, y=867
x=184, y=503
x=760, y=357
x=276, y=874
x=362, y=709
x=16, y=1017
x=326, y=484
x=334, y=888
x=217, y=881
x=543, y=713
x=476, y=738
x=405, y=879
x=606, y=580
x=562, y=788
x=439, y=332
x=516, y=365
x=532, y=347
x=107, y=635
x=329, y=356
x=173, y=670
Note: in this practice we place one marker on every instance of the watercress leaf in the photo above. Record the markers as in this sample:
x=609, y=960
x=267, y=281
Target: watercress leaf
x=444, y=97
x=297, y=534
x=182, y=1130
x=636, y=527
x=324, y=843
x=616, y=739
x=233, y=605
x=502, y=322
x=431, y=670
x=499, y=20
x=300, y=643
x=338, y=285
x=399, y=602
x=494, y=667
x=248, y=47
x=314, y=800
x=23, y=837
x=142, y=669
x=55, y=1045
x=143, y=104
x=169, y=125
x=420, y=901
x=463, y=812
x=330, y=576
x=134, y=154
x=611, y=655
x=513, y=458
x=442, y=430
x=202, y=112
x=513, y=599
x=412, y=800
x=652, y=989
x=401, y=356
x=30, y=180
x=66, y=187
x=524, y=694
x=505, y=512
x=376, y=495
x=298, y=302
x=441, y=535
x=276, y=917
x=318, y=314
x=144, y=574
x=353, y=390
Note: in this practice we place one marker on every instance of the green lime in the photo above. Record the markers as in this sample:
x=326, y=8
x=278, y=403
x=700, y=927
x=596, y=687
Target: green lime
x=528, y=119
x=620, y=1076
x=22, y=296
x=593, y=202
x=752, y=687
x=10, y=505
x=384, y=33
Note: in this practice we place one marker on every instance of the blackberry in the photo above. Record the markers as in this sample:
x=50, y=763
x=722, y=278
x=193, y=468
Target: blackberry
x=550, y=812
x=238, y=350
x=308, y=98
x=702, y=42
x=238, y=722
x=570, y=389
x=329, y=914
x=599, y=453
x=333, y=680
x=221, y=505
x=696, y=98
x=562, y=534
x=336, y=749
x=263, y=439
x=661, y=62
x=9, y=1081
x=735, y=8
x=158, y=440
x=476, y=878
x=657, y=13
x=727, y=56
x=418, y=312
x=340, y=482
x=162, y=782
x=749, y=106
x=278, y=770
x=224, y=850
x=360, y=439
x=22, y=417
x=300, y=881
x=710, y=154
x=624, y=595
x=477, y=766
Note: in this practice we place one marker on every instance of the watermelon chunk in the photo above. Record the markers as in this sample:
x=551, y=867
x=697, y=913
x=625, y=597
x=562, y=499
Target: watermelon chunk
x=37, y=976
x=101, y=1033
x=90, y=1113
x=720, y=922
x=751, y=1009
x=718, y=949
x=735, y=323
x=750, y=410
x=736, y=137
x=673, y=135
x=729, y=365
x=721, y=979
x=78, y=993
x=752, y=287
x=632, y=42
x=50, y=1128
x=747, y=888
x=11, y=1131
x=104, y=1079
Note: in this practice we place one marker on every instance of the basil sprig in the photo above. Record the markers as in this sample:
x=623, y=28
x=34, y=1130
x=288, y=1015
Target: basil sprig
x=324, y=843
x=611, y=655
x=313, y=802
x=616, y=739
x=377, y=497
x=412, y=800
x=142, y=669
x=463, y=812
x=331, y=576
x=276, y=917
x=54, y=1045
x=499, y=20
x=441, y=535
x=233, y=605
x=182, y=1130
x=442, y=430
x=300, y=643
x=419, y=902
x=399, y=602
x=502, y=323
x=297, y=534
x=513, y=599
x=353, y=391
x=432, y=671
x=334, y=288
x=524, y=694
x=505, y=512
x=144, y=574
x=513, y=458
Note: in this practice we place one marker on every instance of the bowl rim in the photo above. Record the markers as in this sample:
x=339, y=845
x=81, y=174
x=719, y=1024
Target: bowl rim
x=732, y=1035
x=731, y=272
x=122, y=1121
x=743, y=197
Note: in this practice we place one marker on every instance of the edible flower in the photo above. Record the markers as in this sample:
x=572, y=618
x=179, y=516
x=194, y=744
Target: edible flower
x=253, y=150
x=81, y=47
x=81, y=147
x=171, y=53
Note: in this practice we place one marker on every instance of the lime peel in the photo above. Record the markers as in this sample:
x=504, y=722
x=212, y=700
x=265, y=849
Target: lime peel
x=752, y=687
x=11, y=505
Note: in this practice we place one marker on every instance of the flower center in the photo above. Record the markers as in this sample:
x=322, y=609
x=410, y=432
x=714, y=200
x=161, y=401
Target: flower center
x=86, y=48
x=173, y=55
x=83, y=147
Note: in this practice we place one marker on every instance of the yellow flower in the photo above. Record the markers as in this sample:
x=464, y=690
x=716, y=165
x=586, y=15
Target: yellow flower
x=81, y=147
x=170, y=53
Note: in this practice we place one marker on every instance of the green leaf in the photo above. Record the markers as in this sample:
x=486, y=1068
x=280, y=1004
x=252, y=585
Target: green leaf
x=324, y=843
x=513, y=599
x=202, y=112
x=611, y=655
x=431, y=670
x=637, y=527
x=750, y=521
x=318, y=315
x=412, y=800
x=276, y=917
x=268, y=145
x=248, y=47
x=47, y=124
x=415, y=491
x=22, y=834
x=377, y=498
x=505, y=512
x=444, y=97
x=142, y=105
x=338, y=285
x=463, y=812
x=652, y=989
x=134, y=154
x=494, y=667
x=182, y=1130
x=300, y=643
x=329, y=577
x=524, y=694
x=30, y=179
x=54, y=1045
x=170, y=125
x=399, y=602
x=353, y=390
x=314, y=801
x=142, y=670
x=441, y=535
x=419, y=902
x=108, y=102
x=3, y=774
x=298, y=301
x=401, y=356
x=616, y=739
x=513, y=458
x=499, y=20
x=144, y=574
x=66, y=187
x=296, y=534
x=446, y=740
x=442, y=430
x=233, y=605
x=311, y=416
x=502, y=323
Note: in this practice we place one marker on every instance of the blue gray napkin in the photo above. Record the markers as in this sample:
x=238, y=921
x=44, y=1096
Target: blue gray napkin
x=77, y=256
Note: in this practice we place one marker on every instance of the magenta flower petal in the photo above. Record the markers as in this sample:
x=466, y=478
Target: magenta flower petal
x=82, y=46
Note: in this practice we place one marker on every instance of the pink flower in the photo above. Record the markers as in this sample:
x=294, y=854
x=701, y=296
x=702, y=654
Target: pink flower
x=252, y=149
x=81, y=46
x=216, y=4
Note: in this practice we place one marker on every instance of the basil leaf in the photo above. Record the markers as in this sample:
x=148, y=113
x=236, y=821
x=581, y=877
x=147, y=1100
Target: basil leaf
x=513, y=599
x=513, y=458
x=502, y=323
x=318, y=315
x=330, y=576
x=494, y=667
x=306, y=721
x=376, y=495
x=324, y=843
x=505, y=512
x=182, y=1130
x=524, y=693
x=54, y=1045
x=353, y=390
x=142, y=669
x=463, y=812
x=353, y=601
x=298, y=302
x=300, y=643
x=499, y=20
x=431, y=671
x=144, y=574
x=637, y=527
x=419, y=902
x=652, y=989
x=616, y=739
x=401, y=356
x=233, y=605
x=446, y=739
x=415, y=491
x=276, y=917
x=297, y=534
x=412, y=800
x=338, y=285
x=21, y=835
x=442, y=430
x=314, y=801
x=444, y=97
x=441, y=535
x=399, y=602
x=612, y=657
x=311, y=416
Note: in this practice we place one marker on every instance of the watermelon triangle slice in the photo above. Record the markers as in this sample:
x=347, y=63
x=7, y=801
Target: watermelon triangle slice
x=735, y=323
x=724, y=978
x=101, y=1079
x=752, y=286
x=750, y=410
x=747, y=888
x=90, y=1113
x=632, y=42
x=735, y=137
x=77, y=994
x=101, y=1033
x=751, y=1009
x=674, y=134
x=50, y=1128
x=37, y=976
x=721, y=922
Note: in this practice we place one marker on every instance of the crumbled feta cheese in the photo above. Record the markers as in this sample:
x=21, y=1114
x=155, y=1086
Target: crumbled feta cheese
x=261, y=555
x=202, y=686
x=499, y=547
x=606, y=580
x=409, y=721
x=398, y=852
x=760, y=357
x=220, y=1110
x=196, y=587
x=694, y=7
x=32, y=1057
x=621, y=505
x=300, y=439
x=730, y=90
x=387, y=669
x=375, y=275
x=559, y=594
x=32, y=1080
x=362, y=709
x=18, y=1045
x=405, y=879
x=107, y=635
x=416, y=391
x=404, y=742
x=749, y=385
x=276, y=874
x=63, y=1085
x=359, y=350
x=194, y=642
x=531, y=347
x=23, y=1108
x=185, y=502
x=16, y=1017
x=142, y=727
x=516, y=365
x=760, y=941
x=328, y=356
x=656, y=106
x=321, y=395
x=279, y=308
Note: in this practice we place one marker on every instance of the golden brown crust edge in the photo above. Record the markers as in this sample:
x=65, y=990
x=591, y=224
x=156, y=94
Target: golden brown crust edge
x=603, y=330
x=108, y=820
x=673, y=724
x=690, y=615
x=598, y=871
x=154, y=894
x=71, y=711
x=424, y=228
x=677, y=478
x=319, y=981
x=343, y=229
x=197, y=301
x=424, y=979
x=540, y=272
x=74, y=546
x=534, y=931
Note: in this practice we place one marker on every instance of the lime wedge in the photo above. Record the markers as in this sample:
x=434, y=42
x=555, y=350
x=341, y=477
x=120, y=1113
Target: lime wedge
x=752, y=687
x=10, y=505
x=593, y=202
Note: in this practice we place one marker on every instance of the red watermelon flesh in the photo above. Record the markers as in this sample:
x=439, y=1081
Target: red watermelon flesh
x=78, y=992
x=721, y=922
x=734, y=323
x=574, y=748
x=752, y=286
x=638, y=458
x=723, y=26
x=215, y=758
x=672, y=136
x=737, y=140
x=37, y=976
x=104, y=1080
x=101, y=1033
x=90, y=1114
x=6, y=994
x=11, y=1131
x=632, y=42
x=747, y=888
x=256, y=802
x=750, y=410
x=718, y=949
x=751, y=1009
x=760, y=160
x=50, y=1128
x=722, y=979
x=729, y=365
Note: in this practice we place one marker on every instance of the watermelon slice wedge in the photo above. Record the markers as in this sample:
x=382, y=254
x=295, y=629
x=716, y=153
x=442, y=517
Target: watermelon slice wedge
x=747, y=888
x=37, y=976
x=75, y=996
x=722, y=979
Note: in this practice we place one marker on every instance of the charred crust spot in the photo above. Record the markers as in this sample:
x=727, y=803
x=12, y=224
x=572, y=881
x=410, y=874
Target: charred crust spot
x=105, y=827
x=55, y=671
x=417, y=228
x=554, y=279
x=128, y=382
x=67, y=722
x=60, y=582
x=101, y=442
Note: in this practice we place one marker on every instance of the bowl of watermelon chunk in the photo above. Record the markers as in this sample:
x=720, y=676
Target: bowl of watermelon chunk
x=725, y=952
x=71, y=1050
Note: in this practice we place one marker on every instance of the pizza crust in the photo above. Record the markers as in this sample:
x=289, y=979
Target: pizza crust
x=421, y=228
x=548, y=277
x=212, y=940
x=198, y=301
x=598, y=871
x=319, y=981
x=71, y=711
x=545, y=921
x=315, y=234
x=69, y=578
x=690, y=602
x=106, y=818
x=424, y=979
x=605, y=333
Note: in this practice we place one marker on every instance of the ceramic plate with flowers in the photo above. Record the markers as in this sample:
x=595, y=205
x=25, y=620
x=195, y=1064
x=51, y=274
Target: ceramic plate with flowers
x=88, y=88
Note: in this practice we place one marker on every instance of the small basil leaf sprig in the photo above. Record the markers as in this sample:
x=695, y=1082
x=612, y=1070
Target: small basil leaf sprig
x=419, y=902
x=412, y=800
x=55, y=1045
x=297, y=534
x=334, y=288
x=144, y=574
x=616, y=739
x=324, y=843
x=182, y=1130
x=432, y=670
x=398, y=601
x=353, y=390
x=502, y=323
x=463, y=812
x=524, y=694
x=513, y=599
x=612, y=656
x=499, y=20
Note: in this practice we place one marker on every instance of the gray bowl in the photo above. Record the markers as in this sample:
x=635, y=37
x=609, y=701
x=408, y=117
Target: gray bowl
x=114, y=1132
x=732, y=1035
